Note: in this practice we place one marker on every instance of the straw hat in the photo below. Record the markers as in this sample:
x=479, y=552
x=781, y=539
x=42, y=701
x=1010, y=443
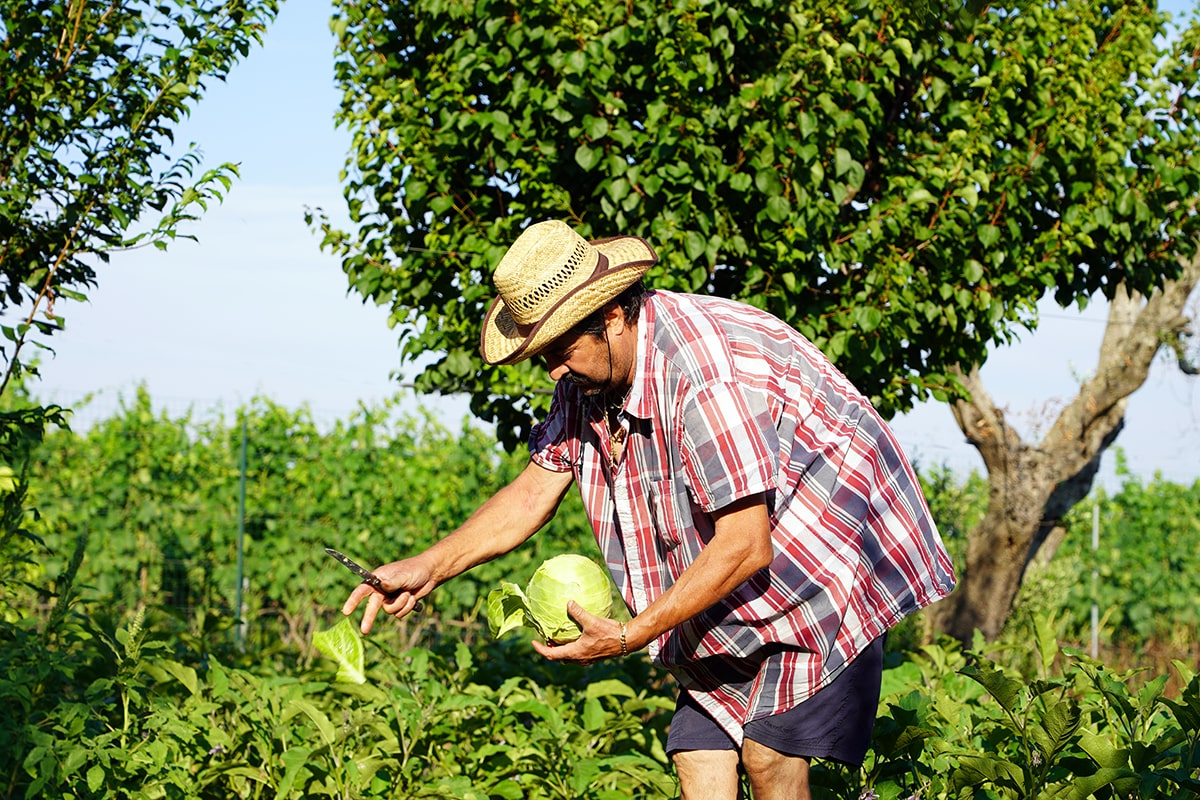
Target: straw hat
x=550, y=280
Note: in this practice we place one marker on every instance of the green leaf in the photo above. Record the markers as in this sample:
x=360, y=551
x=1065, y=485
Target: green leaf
x=867, y=318
x=343, y=644
x=507, y=609
x=595, y=127
x=1061, y=721
x=8, y=479
x=778, y=209
x=977, y=770
x=95, y=777
x=324, y=726
x=1086, y=786
x=1125, y=203
x=76, y=757
x=842, y=161
x=920, y=195
x=610, y=687
x=1101, y=750
x=295, y=760
x=1006, y=691
x=219, y=679
x=588, y=157
x=767, y=181
x=181, y=672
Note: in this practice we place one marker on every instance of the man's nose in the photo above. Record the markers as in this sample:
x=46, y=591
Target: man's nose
x=556, y=369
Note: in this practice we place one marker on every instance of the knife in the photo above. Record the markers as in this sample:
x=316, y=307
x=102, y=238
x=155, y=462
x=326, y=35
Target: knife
x=369, y=578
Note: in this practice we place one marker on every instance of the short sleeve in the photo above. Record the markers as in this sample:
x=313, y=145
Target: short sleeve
x=551, y=443
x=730, y=444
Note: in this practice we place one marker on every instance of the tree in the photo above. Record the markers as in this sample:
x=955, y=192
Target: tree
x=903, y=189
x=1032, y=485
x=89, y=95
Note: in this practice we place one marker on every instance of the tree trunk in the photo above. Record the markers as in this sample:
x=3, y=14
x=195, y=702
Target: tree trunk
x=1032, y=486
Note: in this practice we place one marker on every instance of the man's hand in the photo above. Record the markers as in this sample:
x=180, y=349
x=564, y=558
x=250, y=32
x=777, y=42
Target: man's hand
x=404, y=584
x=601, y=638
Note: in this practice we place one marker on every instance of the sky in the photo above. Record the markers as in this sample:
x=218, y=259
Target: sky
x=255, y=308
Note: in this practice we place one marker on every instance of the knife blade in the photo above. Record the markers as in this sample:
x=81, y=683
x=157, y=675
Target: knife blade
x=368, y=577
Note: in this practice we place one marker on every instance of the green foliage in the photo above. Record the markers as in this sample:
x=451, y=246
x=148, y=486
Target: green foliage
x=1147, y=566
x=957, y=504
x=21, y=434
x=104, y=695
x=901, y=188
x=161, y=523
x=162, y=512
x=92, y=713
x=91, y=93
x=955, y=724
x=422, y=727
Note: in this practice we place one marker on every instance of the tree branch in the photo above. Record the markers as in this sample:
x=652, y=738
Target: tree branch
x=1134, y=333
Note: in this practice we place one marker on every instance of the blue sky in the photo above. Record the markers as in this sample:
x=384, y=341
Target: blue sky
x=255, y=308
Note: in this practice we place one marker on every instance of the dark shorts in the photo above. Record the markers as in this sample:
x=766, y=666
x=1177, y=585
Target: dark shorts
x=834, y=724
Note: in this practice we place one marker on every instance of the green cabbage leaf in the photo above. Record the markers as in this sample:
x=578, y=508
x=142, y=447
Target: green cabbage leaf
x=343, y=644
x=543, y=604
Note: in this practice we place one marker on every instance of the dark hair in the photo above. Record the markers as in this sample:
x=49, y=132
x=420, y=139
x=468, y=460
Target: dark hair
x=630, y=301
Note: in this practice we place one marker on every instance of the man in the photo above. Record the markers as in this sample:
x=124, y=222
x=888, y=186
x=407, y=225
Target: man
x=756, y=513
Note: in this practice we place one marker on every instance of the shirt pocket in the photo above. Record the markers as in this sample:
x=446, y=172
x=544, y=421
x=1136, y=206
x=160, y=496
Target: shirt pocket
x=670, y=512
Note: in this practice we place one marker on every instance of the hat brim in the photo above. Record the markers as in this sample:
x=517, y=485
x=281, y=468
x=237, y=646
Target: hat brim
x=501, y=341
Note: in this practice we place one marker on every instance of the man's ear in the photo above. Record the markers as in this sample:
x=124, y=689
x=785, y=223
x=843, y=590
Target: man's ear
x=614, y=317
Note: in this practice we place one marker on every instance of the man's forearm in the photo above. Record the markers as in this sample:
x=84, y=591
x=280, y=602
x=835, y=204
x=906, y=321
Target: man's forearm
x=504, y=522
x=740, y=547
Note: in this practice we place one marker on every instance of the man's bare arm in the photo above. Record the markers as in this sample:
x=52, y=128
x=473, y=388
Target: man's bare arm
x=505, y=521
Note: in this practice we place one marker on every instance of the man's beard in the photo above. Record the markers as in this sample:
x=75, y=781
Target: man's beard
x=588, y=386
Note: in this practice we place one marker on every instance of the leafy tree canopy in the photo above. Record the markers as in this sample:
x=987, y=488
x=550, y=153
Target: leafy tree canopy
x=89, y=95
x=903, y=188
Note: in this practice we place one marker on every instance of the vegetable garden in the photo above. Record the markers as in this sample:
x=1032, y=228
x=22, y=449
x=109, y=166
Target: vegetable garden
x=127, y=672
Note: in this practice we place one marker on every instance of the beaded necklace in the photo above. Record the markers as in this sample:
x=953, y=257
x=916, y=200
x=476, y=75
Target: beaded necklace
x=616, y=431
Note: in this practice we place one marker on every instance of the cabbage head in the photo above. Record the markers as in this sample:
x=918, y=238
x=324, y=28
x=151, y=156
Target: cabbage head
x=543, y=604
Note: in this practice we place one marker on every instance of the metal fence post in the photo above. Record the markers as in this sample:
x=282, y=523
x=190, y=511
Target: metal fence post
x=241, y=536
x=1095, y=581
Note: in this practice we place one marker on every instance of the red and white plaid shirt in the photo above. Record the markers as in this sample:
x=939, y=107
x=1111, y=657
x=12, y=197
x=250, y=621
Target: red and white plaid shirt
x=728, y=401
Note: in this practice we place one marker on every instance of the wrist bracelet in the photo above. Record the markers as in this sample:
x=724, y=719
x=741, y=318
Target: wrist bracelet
x=624, y=648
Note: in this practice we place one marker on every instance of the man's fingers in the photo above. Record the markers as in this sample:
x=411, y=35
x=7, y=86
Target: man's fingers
x=552, y=652
x=580, y=614
x=374, y=601
x=401, y=603
x=360, y=591
x=368, y=620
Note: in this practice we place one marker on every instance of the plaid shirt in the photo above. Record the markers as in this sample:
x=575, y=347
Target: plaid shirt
x=728, y=401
